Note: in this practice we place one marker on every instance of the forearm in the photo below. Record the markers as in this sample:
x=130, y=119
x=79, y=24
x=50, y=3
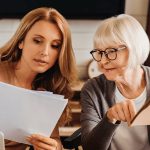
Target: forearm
x=99, y=138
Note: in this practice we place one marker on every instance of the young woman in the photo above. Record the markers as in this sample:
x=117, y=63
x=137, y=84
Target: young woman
x=40, y=56
x=111, y=100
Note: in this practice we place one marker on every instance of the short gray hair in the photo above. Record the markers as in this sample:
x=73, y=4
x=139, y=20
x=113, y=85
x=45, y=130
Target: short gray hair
x=124, y=30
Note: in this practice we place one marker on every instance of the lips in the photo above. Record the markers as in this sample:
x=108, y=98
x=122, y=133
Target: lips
x=41, y=61
x=109, y=68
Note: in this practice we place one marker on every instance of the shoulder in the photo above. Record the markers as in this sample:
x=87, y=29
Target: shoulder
x=96, y=88
x=99, y=79
x=97, y=83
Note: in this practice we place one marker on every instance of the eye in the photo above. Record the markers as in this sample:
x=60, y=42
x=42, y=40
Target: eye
x=110, y=51
x=37, y=40
x=96, y=51
x=56, y=46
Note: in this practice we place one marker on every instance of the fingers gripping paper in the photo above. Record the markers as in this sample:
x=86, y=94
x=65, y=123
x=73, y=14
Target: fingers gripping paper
x=24, y=112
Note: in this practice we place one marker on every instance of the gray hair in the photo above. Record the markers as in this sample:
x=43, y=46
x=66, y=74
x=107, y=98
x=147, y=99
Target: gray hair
x=124, y=30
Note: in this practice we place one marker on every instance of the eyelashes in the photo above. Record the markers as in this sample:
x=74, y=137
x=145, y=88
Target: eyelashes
x=37, y=41
x=54, y=46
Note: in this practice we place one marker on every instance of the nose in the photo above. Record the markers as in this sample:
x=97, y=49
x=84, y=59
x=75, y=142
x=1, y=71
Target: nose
x=104, y=59
x=45, y=50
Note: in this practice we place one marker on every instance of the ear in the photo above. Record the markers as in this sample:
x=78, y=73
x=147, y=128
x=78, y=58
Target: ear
x=20, y=45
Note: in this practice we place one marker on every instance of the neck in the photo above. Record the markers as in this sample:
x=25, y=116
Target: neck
x=132, y=83
x=23, y=78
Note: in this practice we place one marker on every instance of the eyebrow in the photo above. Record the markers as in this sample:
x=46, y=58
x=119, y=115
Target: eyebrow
x=38, y=35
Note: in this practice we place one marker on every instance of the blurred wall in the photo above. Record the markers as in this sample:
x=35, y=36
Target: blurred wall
x=82, y=32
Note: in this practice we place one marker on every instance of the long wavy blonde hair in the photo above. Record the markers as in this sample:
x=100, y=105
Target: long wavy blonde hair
x=59, y=78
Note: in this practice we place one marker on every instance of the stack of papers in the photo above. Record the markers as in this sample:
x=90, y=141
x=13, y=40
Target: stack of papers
x=24, y=112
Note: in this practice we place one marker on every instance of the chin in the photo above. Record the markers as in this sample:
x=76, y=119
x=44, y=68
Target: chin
x=40, y=70
x=110, y=77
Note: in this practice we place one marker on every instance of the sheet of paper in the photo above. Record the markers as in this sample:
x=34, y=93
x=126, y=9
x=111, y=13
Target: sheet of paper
x=142, y=118
x=23, y=112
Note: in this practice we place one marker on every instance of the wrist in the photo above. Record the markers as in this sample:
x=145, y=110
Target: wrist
x=111, y=120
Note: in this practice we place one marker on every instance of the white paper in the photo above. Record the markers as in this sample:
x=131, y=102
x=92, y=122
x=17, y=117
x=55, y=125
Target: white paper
x=24, y=112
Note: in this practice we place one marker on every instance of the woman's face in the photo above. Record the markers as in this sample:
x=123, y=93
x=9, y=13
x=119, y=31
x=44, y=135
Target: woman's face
x=41, y=47
x=113, y=69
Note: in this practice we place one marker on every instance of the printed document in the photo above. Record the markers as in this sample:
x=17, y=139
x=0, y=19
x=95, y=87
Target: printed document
x=24, y=112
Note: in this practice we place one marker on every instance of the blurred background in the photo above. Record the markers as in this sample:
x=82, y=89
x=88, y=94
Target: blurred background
x=83, y=16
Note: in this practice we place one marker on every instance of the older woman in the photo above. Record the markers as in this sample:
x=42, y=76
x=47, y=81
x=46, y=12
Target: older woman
x=111, y=100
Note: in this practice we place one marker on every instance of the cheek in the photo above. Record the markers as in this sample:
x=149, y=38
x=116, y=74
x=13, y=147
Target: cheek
x=100, y=67
x=53, y=57
x=30, y=48
x=121, y=61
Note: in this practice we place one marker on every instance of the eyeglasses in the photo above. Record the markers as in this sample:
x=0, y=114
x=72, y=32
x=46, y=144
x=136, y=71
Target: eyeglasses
x=110, y=53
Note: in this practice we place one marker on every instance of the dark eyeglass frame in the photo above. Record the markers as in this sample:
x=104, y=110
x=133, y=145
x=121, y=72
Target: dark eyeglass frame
x=101, y=52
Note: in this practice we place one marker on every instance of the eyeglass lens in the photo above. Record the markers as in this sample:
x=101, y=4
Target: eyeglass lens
x=109, y=53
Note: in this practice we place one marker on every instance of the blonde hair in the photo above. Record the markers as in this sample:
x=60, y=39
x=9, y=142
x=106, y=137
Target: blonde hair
x=58, y=78
x=124, y=30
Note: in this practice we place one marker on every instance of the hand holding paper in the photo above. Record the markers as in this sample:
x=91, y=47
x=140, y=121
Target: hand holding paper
x=24, y=112
x=123, y=111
